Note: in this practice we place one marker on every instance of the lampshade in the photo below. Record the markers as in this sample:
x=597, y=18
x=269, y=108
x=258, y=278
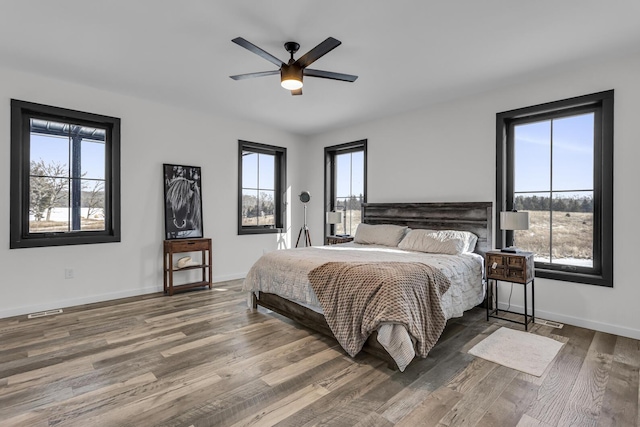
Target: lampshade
x=513, y=220
x=291, y=77
x=334, y=217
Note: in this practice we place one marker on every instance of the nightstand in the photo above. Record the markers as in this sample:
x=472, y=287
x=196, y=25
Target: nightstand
x=514, y=268
x=336, y=240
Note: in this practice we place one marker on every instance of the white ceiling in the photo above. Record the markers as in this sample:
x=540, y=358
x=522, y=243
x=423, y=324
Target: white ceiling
x=407, y=54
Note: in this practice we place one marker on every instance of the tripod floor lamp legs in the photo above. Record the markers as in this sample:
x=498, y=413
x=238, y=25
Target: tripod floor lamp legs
x=307, y=236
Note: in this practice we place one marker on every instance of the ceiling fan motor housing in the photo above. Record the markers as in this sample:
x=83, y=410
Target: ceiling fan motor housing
x=291, y=47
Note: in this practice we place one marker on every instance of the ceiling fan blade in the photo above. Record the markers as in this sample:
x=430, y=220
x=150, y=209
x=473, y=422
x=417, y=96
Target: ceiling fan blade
x=317, y=52
x=252, y=75
x=329, y=75
x=258, y=51
x=296, y=92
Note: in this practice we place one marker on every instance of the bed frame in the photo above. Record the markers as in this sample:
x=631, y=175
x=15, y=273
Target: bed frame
x=465, y=216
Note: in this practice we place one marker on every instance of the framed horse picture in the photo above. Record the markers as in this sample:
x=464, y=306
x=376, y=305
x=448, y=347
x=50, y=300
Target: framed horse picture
x=182, y=202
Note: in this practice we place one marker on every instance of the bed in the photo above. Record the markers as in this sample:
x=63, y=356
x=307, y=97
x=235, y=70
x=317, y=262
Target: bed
x=283, y=281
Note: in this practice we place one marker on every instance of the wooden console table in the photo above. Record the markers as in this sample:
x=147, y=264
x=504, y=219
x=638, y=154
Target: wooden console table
x=187, y=245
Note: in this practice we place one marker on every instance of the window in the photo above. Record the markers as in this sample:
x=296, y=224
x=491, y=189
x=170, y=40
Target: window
x=346, y=184
x=556, y=161
x=65, y=176
x=262, y=185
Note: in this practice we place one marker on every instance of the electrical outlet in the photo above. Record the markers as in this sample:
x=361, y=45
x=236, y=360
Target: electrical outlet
x=68, y=273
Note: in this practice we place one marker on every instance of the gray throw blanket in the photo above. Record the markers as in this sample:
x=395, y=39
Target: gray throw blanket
x=358, y=297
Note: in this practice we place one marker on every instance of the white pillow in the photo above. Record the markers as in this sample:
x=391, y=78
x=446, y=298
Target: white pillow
x=469, y=238
x=450, y=242
x=382, y=234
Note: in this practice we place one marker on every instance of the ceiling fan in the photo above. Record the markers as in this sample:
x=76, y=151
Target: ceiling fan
x=291, y=72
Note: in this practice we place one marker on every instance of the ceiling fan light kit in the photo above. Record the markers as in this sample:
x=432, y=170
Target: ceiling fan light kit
x=292, y=72
x=291, y=77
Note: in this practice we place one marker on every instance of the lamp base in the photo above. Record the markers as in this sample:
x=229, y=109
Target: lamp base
x=511, y=250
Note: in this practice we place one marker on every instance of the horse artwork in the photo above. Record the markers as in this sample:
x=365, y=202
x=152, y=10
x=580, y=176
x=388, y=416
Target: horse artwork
x=182, y=202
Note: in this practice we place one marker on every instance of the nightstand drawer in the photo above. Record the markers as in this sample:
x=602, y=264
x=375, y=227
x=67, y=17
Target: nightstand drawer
x=510, y=267
x=498, y=273
x=515, y=275
x=497, y=259
x=516, y=261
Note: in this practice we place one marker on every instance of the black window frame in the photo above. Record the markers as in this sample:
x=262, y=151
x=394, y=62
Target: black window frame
x=280, y=183
x=602, y=104
x=330, y=154
x=20, y=237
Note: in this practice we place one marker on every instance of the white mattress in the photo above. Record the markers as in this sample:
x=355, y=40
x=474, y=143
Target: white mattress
x=285, y=273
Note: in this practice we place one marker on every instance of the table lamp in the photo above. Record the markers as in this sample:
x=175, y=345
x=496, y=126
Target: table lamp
x=513, y=220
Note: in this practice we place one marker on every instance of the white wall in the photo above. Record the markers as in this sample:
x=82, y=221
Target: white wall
x=444, y=153
x=152, y=134
x=447, y=153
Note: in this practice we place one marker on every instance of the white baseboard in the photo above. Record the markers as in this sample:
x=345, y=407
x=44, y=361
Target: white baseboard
x=577, y=321
x=72, y=302
x=227, y=277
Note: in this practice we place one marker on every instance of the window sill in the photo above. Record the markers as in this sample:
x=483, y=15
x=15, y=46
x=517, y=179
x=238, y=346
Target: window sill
x=567, y=276
x=259, y=230
x=39, y=242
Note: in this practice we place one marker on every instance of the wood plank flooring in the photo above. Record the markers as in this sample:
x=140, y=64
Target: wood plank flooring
x=203, y=359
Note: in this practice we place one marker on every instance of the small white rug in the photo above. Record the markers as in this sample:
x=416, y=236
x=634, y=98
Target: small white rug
x=523, y=351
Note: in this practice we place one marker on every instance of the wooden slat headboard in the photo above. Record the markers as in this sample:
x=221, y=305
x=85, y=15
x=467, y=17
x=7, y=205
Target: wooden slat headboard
x=466, y=216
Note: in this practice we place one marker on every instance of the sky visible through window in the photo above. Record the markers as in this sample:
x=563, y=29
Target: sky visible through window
x=350, y=174
x=572, y=155
x=56, y=149
x=251, y=168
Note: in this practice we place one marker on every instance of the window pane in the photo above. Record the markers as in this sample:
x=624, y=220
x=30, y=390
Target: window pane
x=532, y=156
x=266, y=208
x=537, y=238
x=51, y=153
x=357, y=173
x=92, y=205
x=349, y=189
x=572, y=229
x=266, y=166
x=351, y=215
x=343, y=175
x=573, y=153
x=249, y=170
x=48, y=205
x=249, y=207
x=92, y=159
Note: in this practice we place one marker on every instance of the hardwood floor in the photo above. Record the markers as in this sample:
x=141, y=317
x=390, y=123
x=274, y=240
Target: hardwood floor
x=203, y=359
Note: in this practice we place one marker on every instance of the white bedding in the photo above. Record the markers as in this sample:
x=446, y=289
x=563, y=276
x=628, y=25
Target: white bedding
x=285, y=273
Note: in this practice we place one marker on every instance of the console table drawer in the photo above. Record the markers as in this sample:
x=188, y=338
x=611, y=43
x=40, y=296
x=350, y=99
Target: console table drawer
x=190, y=245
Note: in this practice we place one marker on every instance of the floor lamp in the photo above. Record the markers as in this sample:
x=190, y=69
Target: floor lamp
x=304, y=198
